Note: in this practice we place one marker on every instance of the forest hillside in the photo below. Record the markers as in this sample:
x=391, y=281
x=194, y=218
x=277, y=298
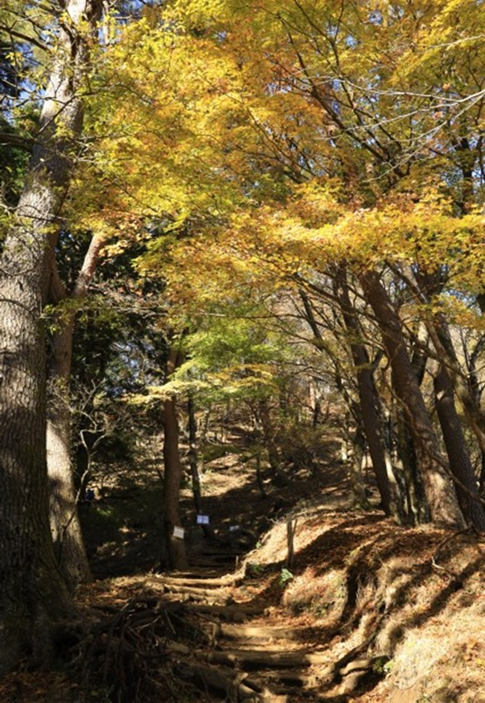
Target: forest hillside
x=242, y=350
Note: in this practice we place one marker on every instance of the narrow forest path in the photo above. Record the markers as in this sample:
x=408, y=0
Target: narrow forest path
x=372, y=613
x=221, y=626
x=250, y=653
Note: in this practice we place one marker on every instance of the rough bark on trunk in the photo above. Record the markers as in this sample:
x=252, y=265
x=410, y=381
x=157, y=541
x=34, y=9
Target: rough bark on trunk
x=440, y=492
x=33, y=595
x=177, y=558
x=460, y=464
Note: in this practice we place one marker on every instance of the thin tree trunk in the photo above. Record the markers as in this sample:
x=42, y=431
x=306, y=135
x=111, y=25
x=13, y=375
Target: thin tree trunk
x=177, y=557
x=268, y=439
x=194, y=469
x=33, y=597
x=481, y=481
x=440, y=492
x=369, y=405
x=64, y=518
x=357, y=483
x=259, y=475
x=63, y=512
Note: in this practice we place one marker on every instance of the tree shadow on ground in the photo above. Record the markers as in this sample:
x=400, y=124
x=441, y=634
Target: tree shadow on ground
x=392, y=585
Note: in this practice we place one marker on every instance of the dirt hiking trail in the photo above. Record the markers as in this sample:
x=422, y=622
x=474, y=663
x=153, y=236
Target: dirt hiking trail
x=309, y=599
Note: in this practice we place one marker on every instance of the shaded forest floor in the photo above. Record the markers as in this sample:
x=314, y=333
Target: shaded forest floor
x=296, y=597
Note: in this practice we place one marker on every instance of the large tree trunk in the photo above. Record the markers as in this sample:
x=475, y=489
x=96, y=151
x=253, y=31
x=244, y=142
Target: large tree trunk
x=441, y=337
x=440, y=492
x=460, y=464
x=177, y=558
x=33, y=596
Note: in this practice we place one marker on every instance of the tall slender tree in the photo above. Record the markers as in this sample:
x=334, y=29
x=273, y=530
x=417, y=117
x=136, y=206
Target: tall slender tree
x=172, y=477
x=64, y=518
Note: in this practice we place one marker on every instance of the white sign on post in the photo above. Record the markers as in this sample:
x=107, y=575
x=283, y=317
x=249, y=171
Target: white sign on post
x=203, y=519
x=178, y=532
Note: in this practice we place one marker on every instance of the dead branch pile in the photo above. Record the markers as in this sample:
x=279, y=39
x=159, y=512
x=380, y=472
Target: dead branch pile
x=129, y=653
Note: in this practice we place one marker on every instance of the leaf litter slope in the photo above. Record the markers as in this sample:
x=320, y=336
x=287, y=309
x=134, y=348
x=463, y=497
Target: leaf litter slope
x=366, y=611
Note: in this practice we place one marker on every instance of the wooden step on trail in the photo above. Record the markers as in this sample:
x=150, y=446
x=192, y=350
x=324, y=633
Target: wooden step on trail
x=229, y=685
x=251, y=659
x=192, y=582
x=247, y=662
x=234, y=612
x=257, y=632
x=195, y=590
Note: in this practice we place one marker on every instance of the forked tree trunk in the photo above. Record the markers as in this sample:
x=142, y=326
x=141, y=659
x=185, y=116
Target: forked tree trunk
x=442, y=340
x=439, y=490
x=33, y=596
x=425, y=286
x=177, y=557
